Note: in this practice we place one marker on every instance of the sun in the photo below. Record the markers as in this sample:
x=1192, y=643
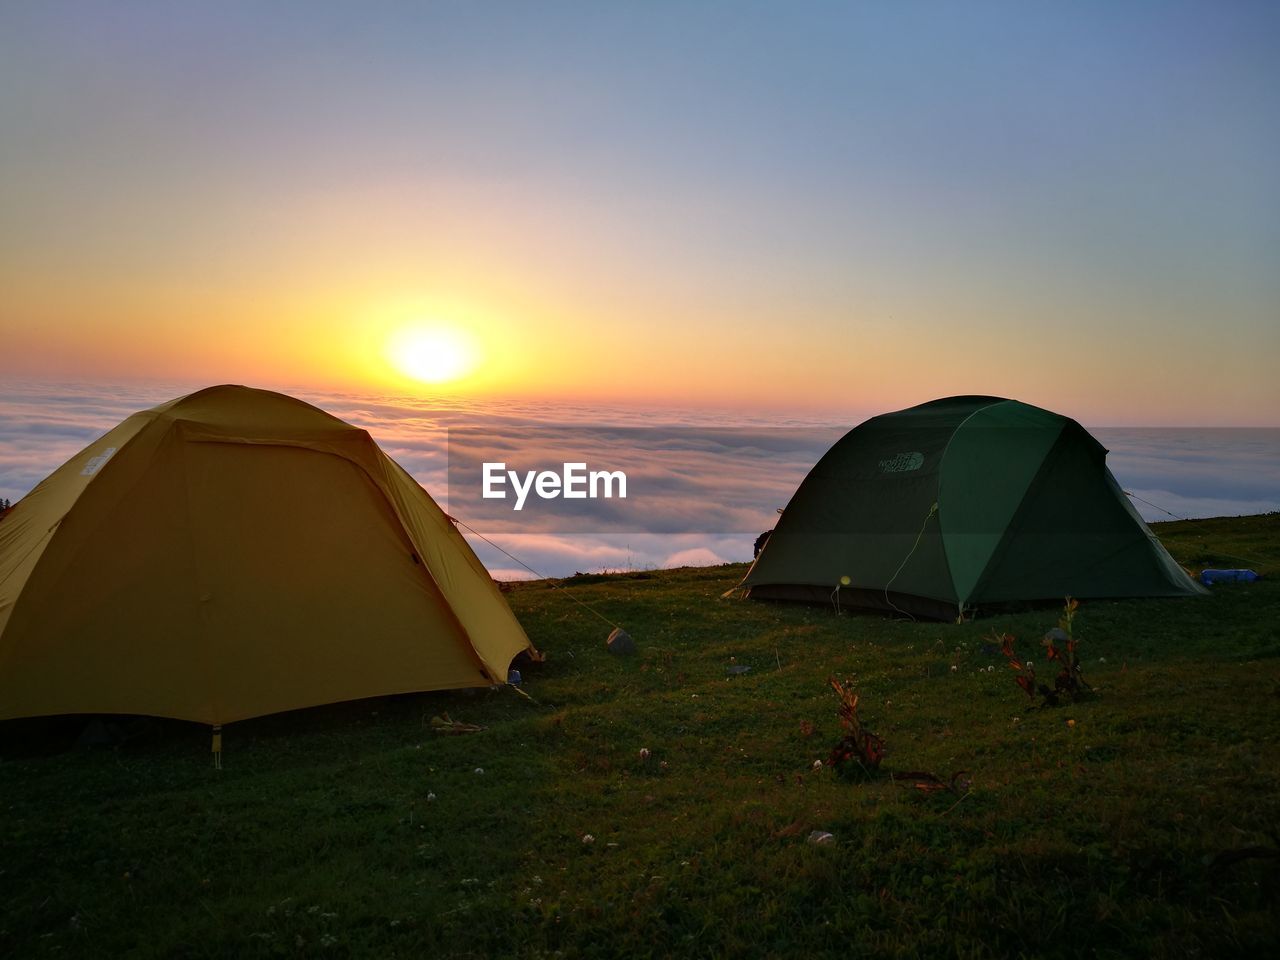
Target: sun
x=433, y=354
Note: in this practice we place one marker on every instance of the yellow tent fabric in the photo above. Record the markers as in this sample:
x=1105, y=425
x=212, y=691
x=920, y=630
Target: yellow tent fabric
x=234, y=553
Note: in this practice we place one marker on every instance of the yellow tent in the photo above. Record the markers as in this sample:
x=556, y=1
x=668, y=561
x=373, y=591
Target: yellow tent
x=234, y=553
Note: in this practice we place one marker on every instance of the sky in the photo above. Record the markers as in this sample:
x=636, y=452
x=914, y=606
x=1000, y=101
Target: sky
x=845, y=208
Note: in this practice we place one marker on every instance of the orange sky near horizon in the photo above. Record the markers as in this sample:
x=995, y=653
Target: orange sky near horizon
x=332, y=335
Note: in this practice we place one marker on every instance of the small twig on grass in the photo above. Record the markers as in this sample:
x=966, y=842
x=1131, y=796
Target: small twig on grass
x=521, y=692
x=927, y=782
x=445, y=724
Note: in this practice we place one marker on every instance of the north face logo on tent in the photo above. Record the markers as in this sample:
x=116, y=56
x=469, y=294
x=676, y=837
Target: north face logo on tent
x=903, y=463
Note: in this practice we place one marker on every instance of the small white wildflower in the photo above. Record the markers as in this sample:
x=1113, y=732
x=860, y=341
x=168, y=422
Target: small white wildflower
x=644, y=753
x=588, y=838
x=430, y=797
x=479, y=769
x=954, y=668
x=1030, y=664
x=1102, y=659
x=817, y=764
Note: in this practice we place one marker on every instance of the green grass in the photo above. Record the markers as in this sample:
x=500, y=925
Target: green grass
x=319, y=838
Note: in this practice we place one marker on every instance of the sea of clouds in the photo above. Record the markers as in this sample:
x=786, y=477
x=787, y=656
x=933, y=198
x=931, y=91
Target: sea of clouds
x=701, y=485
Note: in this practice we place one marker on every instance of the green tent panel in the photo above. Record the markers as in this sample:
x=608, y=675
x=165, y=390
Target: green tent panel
x=958, y=504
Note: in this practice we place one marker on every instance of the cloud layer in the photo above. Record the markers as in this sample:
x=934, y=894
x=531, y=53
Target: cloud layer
x=700, y=487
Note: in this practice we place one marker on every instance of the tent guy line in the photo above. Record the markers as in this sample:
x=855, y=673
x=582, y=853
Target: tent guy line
x=550, y=581
x=933, y=510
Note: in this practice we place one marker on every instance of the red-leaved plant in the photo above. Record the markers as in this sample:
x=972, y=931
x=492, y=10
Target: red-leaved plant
x=859, y=743
x=867, y=750
x=1060, y=646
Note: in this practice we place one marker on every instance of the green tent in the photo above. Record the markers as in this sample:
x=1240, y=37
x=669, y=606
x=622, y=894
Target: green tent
x=961, y=504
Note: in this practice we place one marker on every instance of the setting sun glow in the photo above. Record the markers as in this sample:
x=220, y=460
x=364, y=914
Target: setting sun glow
x=435, y=355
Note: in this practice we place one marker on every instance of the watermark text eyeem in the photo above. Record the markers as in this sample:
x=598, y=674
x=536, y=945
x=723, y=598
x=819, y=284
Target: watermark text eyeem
x=573, y=482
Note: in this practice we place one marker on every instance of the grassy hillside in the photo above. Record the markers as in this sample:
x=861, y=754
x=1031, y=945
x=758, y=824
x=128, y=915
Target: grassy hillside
x=1141, y=822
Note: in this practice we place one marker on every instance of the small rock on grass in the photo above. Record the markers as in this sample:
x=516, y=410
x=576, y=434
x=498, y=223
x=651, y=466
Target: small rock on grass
x=620, y=642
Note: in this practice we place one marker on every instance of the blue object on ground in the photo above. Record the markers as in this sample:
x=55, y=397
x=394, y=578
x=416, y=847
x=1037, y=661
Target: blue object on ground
x=1228, y=576
x=514, y=678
